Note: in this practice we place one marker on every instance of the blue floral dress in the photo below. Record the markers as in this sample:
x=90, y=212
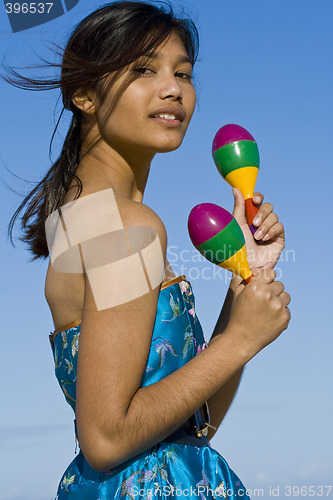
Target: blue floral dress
x=167, y=469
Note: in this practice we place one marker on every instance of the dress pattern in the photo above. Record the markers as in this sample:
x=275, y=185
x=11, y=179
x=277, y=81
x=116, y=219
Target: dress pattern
x=167, y=469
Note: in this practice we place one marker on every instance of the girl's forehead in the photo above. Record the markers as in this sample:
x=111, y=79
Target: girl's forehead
x=172, y=41
x=173, y=46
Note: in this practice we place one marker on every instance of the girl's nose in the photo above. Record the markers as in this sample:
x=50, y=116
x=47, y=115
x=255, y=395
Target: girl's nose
x=170, y=88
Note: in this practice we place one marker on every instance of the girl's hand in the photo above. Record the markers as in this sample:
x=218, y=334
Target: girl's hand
x=270, y=232
x=259, y=312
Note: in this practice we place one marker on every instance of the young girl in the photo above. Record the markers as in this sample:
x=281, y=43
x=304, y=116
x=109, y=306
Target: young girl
x=147, y=391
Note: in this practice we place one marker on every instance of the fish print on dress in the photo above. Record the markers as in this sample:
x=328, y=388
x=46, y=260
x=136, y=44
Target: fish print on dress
x=166, y=469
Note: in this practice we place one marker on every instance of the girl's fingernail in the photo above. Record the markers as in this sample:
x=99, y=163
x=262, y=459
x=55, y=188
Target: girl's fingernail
x=265, y=238
x=256, y=221
x=258, y=234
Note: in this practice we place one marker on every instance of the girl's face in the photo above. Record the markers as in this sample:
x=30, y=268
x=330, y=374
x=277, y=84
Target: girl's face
x=153, y=113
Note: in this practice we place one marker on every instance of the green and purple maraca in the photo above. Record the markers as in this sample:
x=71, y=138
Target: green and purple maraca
x=236, y=157
x=216, y=234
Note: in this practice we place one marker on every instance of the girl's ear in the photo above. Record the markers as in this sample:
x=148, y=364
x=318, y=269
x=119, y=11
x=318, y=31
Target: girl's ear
x=84, y=102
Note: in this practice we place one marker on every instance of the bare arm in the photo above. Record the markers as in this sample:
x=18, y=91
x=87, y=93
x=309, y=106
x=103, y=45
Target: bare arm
x=116, y=419
x=220, y=402
x=158, y=410
x=115, y=430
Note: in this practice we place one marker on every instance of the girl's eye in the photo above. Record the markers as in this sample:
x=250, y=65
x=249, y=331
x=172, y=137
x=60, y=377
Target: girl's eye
x=143, y=71
x=184, y=76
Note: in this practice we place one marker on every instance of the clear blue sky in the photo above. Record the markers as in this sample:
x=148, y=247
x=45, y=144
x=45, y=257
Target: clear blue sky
x=267, y=66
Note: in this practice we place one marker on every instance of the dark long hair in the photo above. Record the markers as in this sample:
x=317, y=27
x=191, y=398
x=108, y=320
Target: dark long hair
x=106, y=41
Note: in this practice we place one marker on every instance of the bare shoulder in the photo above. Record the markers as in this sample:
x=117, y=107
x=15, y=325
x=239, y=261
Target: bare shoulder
x=96, y=198
x=135, y=213
x=100, y=212
x=101, y=221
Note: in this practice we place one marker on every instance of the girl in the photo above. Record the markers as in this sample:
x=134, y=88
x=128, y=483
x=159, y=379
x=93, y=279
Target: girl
x=147, y=391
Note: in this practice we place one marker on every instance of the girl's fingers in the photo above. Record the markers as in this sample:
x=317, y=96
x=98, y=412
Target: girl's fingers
x=278, y=287
x=258, y=198
x=262, y=214
x=266, y=220
x=285, y=298
x=266, y=225
x=275, y=231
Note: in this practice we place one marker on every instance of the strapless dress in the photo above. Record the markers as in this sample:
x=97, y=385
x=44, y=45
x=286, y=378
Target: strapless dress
x=180, y=469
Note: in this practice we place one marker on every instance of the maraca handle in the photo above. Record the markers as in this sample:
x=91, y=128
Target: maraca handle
x=251, y=210
x=247, y=280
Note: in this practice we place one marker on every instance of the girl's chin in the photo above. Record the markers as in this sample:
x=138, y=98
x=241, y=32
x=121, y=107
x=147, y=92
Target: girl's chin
x=167, y=149
x=167, y=146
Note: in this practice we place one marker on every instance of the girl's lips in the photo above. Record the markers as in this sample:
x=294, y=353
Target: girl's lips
x=166, y=121
x=171, y=112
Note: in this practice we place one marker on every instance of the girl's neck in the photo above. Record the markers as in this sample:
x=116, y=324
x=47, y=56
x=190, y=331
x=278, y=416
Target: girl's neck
x=127, y=175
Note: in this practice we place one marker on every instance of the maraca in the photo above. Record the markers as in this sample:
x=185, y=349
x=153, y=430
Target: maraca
x=236, y=156
x=216, y=234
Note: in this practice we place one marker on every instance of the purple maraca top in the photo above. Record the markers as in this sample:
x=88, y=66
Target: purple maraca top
x=230, y=133
x=205, y=221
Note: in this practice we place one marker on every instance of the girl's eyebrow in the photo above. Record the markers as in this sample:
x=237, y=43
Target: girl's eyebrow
x=184, y=59
x=180, y=59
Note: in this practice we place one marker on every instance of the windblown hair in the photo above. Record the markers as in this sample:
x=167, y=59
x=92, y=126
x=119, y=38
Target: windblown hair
x=105, y=42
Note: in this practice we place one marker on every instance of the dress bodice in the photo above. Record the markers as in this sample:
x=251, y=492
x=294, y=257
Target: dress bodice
x=168, y=468
x=176, y=338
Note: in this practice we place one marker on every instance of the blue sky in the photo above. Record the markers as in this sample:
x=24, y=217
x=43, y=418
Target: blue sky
x=266, y=66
